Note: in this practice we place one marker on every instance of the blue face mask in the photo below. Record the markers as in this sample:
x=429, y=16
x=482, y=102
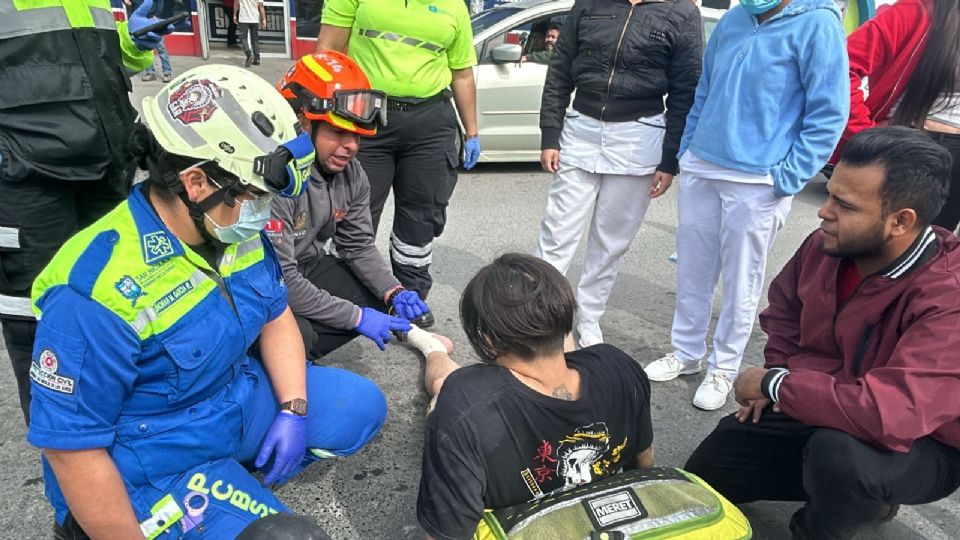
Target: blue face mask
x=759, y=7
x=254, y=215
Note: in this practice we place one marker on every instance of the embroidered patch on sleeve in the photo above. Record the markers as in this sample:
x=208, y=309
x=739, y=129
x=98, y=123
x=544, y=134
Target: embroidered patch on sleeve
x=43, y=371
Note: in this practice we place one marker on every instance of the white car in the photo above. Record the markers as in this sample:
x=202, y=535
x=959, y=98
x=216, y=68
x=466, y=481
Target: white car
x=508, y=90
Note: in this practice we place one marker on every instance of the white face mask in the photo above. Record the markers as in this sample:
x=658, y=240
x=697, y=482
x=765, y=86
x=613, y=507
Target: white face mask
x=254, y=215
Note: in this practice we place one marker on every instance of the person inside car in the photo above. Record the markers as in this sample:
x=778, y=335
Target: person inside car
x=544, y=54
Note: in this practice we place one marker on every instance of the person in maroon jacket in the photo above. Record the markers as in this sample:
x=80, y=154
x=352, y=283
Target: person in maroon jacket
x=857, y=407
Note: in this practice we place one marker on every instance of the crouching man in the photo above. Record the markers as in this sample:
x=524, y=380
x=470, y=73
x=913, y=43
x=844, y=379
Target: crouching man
x=856, y=409
x=340, y=286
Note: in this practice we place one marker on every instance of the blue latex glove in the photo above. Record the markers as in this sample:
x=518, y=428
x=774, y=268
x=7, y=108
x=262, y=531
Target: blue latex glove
x=377, y=326
x=139, y=19
x=408, y=305
x=288, y=438
x=471, y=150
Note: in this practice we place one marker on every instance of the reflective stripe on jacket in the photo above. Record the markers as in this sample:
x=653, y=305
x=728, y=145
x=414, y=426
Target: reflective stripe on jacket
x=64, y=109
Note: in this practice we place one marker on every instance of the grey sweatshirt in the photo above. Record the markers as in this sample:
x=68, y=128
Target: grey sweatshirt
x=337, y=208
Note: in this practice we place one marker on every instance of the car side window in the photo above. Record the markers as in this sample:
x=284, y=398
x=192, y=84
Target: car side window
x=516, y=35
x=531, y=35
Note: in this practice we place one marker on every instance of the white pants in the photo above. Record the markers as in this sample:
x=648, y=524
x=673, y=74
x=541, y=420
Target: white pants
x=617, y=204
x=726, y=229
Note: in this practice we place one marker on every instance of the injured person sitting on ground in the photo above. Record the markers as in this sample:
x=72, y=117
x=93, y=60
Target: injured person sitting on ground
x=530, y=419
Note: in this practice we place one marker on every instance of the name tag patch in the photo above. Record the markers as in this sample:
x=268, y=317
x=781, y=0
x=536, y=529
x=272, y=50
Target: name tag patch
x=43, y=371
x=173, y=296
x=617, y=508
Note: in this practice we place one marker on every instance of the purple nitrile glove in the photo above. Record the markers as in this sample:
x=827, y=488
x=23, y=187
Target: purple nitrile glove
x=141, y=18
x=408, y=305
x=288, y=438
x=377, y=326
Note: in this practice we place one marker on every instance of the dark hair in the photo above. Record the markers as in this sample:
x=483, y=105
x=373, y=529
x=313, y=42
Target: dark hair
x=916, y=169
x=938, y=70
x=518, y=305
x=555, y=26
x=144, y=149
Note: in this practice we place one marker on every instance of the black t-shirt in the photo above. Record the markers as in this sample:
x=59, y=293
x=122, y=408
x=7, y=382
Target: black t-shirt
x=494, y=442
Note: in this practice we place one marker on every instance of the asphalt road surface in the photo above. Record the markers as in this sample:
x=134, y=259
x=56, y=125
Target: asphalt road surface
x=495, y=209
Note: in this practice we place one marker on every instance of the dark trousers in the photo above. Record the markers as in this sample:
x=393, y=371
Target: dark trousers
x=231, y=27
x=416, y=155
x=949, y=216
x=253, y=48
x=36, y=218
x=846, y=483
x=334, y=276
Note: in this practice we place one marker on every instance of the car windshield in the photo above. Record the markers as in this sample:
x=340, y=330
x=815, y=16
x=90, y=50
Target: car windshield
x=485, y=19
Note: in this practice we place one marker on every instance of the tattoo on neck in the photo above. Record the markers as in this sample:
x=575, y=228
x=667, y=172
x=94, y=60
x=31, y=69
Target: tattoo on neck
x=561, y=392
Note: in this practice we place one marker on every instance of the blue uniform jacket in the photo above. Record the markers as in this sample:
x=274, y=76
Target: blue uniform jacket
x=141, y=349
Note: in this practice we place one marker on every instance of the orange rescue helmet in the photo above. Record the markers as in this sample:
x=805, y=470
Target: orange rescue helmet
x=330, y=87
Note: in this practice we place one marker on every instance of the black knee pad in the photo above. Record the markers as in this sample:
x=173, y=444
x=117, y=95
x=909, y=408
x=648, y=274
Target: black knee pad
x=283, y=527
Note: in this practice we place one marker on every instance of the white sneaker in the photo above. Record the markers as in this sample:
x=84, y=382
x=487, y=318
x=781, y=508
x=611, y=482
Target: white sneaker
x=589, y=333
x=669, y=368
x=712, y=392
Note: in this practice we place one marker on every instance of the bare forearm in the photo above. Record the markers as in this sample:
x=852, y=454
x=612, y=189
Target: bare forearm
x=644, y=459
x=284, y=358
x=333, y=38
x=465, y=96
x=83, y=473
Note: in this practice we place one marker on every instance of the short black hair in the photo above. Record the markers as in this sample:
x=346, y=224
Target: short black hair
x=518, y=305
x=555, y=26
x=916, y=169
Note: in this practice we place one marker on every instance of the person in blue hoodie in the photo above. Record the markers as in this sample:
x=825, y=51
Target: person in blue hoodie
x=770, y=106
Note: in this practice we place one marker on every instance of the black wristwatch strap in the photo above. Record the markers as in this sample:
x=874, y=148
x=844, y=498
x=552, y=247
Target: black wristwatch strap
x=393, y=295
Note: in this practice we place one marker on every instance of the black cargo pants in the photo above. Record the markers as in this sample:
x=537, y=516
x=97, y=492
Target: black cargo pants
x=36, y=218
x=416, y=155
x=847, y=484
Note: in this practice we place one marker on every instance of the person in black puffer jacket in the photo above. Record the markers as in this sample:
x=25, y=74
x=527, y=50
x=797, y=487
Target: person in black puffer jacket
x=617, y=150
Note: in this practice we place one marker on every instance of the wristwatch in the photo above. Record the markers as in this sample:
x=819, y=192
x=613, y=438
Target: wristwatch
x=296, y=406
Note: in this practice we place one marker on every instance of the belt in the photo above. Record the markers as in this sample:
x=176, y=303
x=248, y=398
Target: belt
x=409, y=104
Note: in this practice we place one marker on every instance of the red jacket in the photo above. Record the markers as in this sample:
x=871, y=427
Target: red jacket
x=886, y=49
x=885, y=367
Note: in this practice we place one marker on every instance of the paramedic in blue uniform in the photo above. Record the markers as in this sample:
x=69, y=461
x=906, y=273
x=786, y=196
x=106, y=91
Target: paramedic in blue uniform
x=145, y=398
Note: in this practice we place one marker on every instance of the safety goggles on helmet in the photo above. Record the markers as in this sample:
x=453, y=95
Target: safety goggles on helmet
x=366, y=107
